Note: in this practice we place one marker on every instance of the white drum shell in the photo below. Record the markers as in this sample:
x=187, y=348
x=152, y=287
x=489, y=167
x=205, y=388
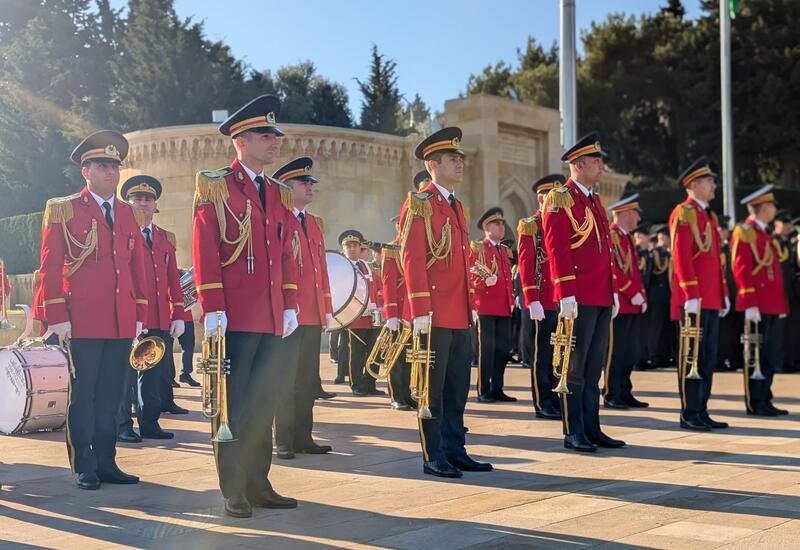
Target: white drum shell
x=349, y=290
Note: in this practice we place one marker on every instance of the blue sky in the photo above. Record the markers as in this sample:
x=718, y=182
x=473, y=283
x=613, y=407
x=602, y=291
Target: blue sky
x=437, y=45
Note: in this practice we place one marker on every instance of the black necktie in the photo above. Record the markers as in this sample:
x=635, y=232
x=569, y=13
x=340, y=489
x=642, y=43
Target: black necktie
x=452, y=200
x=302, y=217
x=497, y=247
x=262, y=191
x=147, y=237
x=708, y=211
x=109, y=219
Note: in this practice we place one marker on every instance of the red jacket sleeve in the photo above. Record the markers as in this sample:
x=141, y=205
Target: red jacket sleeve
x=682, y=251
x=389, y=277
x=743, y=263
x=557, y=236
x=526, y=250
x=51, y=273
x=291, y=275
x=139, y=277
x=206, y=259
x=174, y=288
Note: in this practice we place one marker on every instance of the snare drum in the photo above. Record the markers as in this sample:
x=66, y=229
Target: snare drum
x=33, y=389
x=349, y=290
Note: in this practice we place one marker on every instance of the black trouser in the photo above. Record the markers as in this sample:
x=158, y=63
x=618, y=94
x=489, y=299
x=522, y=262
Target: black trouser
x=581, y=407
x=294, y=418
x=150, y=384
x=333, y=344
x=729, y=345
x=758, y=393
x=512, y=339
x=186, y=342
x=527, y=339
x=358, y=345
x=259, y=364
x=492, y=353
x=399, y=380
x=130, y=398
x=660, y=334
x=442, y=436
x=542, y=379
x=695, y=393
x=167, y=375
x=95, y=392
x=623, y=354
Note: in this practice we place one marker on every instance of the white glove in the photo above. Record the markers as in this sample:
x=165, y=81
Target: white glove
x=517, y=303
x=421, y=325
x=569, y=307
x=724, y=311
x=752, y=314
x=475, y=317
x=393, y=323
x=536, y=311
x=644, y=307
x=177, y=328
x=692, y=306
x=491, y=280
x=637, y=299
x=328, y=321
x=140, y=329
x=782, y=316
x=289, y=322
x=210, y=322
x=615, y=306
x=62, y=330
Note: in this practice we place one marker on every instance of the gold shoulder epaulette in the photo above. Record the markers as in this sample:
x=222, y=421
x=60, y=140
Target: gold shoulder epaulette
x=527, y=226
x=687, y=214
x=376, y=269
x=210, y=186
x=171, y=238
x=390, y=251
x=419, y=204
x=287, y=199
x=557, y=198
x=615, y=238
x=319, y=222
x=58, y=210
x=744, y=233
x=477, y=246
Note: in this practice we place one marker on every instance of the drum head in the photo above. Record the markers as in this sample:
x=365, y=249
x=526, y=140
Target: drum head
x=349, y=290
x=13, y=390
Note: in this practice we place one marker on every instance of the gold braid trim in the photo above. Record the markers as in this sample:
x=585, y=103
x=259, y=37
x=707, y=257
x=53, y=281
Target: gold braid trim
x=319, y=222
x=389, y=252
x=287, y=199
x=783, y=252
x=419, y=206
x=296, y=250
x=747, y=235
x=138, y=216
x=171, y=238
x=58, y=210
x=742, y=233
x=661, y=264
x=615, y=238
x=210, y=187
x=527, y=226
x=477, y=247
x=558, y=198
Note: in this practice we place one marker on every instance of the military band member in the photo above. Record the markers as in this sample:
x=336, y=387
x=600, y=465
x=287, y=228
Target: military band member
x=698, y=286
x=164, y=299
x=537, y=291
x=624, y=354
x=661, y=336
x=584, y=286
x=435, y=257
x=186, y=343
x=758, y=276
x=785, y=239
x=494, y=296
x=294, y=419
x=246, y=281
x=92, y=282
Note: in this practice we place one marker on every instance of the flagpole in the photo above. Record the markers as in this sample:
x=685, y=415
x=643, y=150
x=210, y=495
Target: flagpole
x=728, y=198
x=567, y=97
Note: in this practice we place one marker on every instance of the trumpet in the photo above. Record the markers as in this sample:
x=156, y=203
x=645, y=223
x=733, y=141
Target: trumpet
x=481, y=270
x=146, y=352
x=751, y=341
x=215, y=368
x=563, y=341
x=188, y=289
x=421, y=358
x=689, y=345
x=387, y=350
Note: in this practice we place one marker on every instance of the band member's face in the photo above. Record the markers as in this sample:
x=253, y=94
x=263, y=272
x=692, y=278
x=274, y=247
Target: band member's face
x=782, y=228
x=767, y=212
x=263, y=148
x=540, y=199
x=704, y=188
x=663, y=240
x=144, y=203
x=352, y=251
x=450, y=170
x=589, y=169
x=628, y=219
x=302, y=192
x=495, y=230
x=642, y=240
x=397, y=227
x=102, y=177
x=364, y=253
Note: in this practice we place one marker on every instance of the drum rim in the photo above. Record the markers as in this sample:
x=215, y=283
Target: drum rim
x=363, y=306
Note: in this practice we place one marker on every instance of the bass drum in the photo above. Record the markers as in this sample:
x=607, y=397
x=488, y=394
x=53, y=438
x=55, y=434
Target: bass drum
x=349, y=290
x=33, y=389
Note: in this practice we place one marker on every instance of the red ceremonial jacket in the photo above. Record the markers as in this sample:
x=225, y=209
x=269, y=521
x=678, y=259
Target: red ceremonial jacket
x=443, y=288
x=308, y=250
x=253, y=292
x=757, y=270
x=696, y=259
x=533, y=263
x=91, y=275
x=584, y=268
x=498, y=299
x=626, y=270
x=164, y=296
x=375, y=293
x=395, y=303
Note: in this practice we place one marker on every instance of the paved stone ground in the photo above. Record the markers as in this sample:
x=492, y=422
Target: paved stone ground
x=738, y=488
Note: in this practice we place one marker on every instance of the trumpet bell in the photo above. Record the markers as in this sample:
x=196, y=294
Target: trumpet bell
x=146, y=353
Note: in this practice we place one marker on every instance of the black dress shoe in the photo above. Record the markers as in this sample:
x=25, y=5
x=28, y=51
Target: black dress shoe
x=175, y=384
x=114, y=475
x=322, y=394
x=615, y=404
x=359, y=393
x=172, y=408
x=634, y=403
x=238, y=507
x=762, y=411
x=549, y=413
x=156, y=433
x=695, y=425
x=399, y=406
x=440, y=468
x=485, y=398
x=602, y=440
x=503, y=397
x=375, y=391
x=88, y=481
x=187, y=379
x=128, y=436
x=467, y=464
x=338, y=380
x=284, y=452
x=713, y=423
x=268, y=498
x=579, y=442
x=779, y=412
x=312, y=448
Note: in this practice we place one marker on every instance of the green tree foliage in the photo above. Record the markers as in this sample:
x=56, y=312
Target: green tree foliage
x=380, y=108
x=19, y=242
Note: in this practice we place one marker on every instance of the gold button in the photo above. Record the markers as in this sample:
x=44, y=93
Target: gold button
x=117, y=291
x=267, y=242
x=118, y=272
x=270, y=262
x=114, y=252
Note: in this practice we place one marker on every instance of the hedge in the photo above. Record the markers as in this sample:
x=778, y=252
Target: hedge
x=20, y=237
